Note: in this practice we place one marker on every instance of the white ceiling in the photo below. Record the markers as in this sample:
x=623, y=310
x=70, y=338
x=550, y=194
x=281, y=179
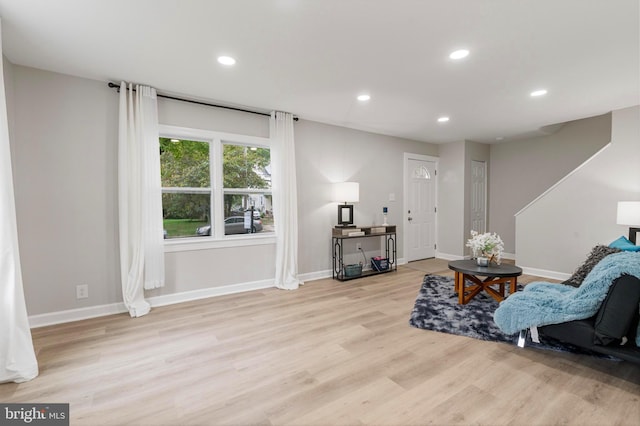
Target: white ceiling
x=313, y=57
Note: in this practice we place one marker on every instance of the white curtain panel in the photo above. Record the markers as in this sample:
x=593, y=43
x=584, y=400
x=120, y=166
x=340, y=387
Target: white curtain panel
x=139, y=197
x=17, y=358
x=285, y=200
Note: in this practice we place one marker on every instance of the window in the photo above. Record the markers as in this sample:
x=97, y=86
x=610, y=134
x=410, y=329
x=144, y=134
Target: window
x=247, y=187
x=186, y=186
x=214, y=185
x=421, y=173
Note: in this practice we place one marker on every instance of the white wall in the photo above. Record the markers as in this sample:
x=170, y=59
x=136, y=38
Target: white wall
x=185, y=114
x=556, y=232
x=454, y=195
x=451, y=200
x=522, y=170
x=326, y=154
x=64, y=147
x=64, y=151
x=216, y=267
x=64, y=140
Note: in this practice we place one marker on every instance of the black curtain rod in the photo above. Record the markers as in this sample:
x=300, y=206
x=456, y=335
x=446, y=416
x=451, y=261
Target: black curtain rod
x=117, y=86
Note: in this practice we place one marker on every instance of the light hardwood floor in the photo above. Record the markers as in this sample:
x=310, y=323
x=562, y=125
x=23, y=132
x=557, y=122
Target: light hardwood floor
x=330, y=353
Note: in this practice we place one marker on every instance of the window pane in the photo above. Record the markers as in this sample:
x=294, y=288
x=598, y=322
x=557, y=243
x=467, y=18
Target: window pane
x=246, y=167
x=236, y=206
x=186, y=215
x=188, y=191
x=184, y=163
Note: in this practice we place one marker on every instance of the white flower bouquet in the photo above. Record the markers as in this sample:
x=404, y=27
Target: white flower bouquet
x=488, y=245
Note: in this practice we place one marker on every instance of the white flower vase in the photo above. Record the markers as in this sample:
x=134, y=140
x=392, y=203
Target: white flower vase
x=482, y=261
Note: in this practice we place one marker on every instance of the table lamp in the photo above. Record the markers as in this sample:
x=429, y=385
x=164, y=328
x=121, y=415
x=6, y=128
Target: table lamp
x=347, y=192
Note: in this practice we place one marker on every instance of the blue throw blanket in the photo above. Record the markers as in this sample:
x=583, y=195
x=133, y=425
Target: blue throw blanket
x=545, y=303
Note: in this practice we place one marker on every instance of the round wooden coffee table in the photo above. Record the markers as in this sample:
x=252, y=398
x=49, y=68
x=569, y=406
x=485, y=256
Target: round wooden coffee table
x=495, y=275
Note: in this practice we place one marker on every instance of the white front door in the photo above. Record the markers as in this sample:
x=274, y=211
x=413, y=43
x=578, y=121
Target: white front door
x=478, y=196
x=421, y=209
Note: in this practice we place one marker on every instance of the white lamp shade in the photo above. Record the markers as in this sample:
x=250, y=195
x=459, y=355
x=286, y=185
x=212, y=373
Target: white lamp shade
x=346, y=192
x=628, y=213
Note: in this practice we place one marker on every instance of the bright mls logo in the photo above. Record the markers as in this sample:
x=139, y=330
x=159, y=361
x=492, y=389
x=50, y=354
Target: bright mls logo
x=34, y=414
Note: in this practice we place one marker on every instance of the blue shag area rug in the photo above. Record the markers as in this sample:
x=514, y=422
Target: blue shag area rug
x=437, y=309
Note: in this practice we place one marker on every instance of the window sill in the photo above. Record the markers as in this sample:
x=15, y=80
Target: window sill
x=207, y=243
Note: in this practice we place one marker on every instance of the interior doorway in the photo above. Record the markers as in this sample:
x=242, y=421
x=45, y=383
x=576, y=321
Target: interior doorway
x=478, y=195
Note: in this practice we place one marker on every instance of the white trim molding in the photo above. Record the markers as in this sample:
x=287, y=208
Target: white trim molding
x=188, y=296
x=71, y=315
x=509, y=256
x=52, y=318
x=446, y=256
x=312, y=276
x=545, y=273
x=208, y=243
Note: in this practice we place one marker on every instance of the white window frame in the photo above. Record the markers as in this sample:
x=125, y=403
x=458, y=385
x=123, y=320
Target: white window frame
x=218, y=239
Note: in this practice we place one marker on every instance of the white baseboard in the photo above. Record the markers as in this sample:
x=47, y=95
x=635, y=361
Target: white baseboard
x=509, y=256
x=312, y=276
x=70, y=315
x=447, y=256
x=188, y=296
x=60, y=317
x=545, y=273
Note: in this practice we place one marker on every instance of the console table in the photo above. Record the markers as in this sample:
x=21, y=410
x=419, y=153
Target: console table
x=340, y=235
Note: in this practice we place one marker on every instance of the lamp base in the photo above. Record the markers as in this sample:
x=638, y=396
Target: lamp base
x=345, y=214
x=632, y=234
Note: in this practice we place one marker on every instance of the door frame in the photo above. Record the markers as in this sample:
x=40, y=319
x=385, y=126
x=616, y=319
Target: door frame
x=405, y=196
x=486, y=192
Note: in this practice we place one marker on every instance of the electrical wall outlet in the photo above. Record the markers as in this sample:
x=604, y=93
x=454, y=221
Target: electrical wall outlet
x=82, y=291
x=358, y=246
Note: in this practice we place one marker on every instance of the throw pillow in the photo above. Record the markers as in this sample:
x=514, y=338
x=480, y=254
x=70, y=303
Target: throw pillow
x=598, y=253
x=624, y=244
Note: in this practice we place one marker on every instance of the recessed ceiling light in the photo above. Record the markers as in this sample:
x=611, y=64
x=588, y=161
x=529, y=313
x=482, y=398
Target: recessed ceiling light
x=499, y=138
x=363, y=98
x=443, y=119
x=540, y=92
x=226, y=60
x=459, y=54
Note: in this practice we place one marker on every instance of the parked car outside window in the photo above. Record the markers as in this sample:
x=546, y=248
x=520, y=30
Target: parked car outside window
x=232, y=225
